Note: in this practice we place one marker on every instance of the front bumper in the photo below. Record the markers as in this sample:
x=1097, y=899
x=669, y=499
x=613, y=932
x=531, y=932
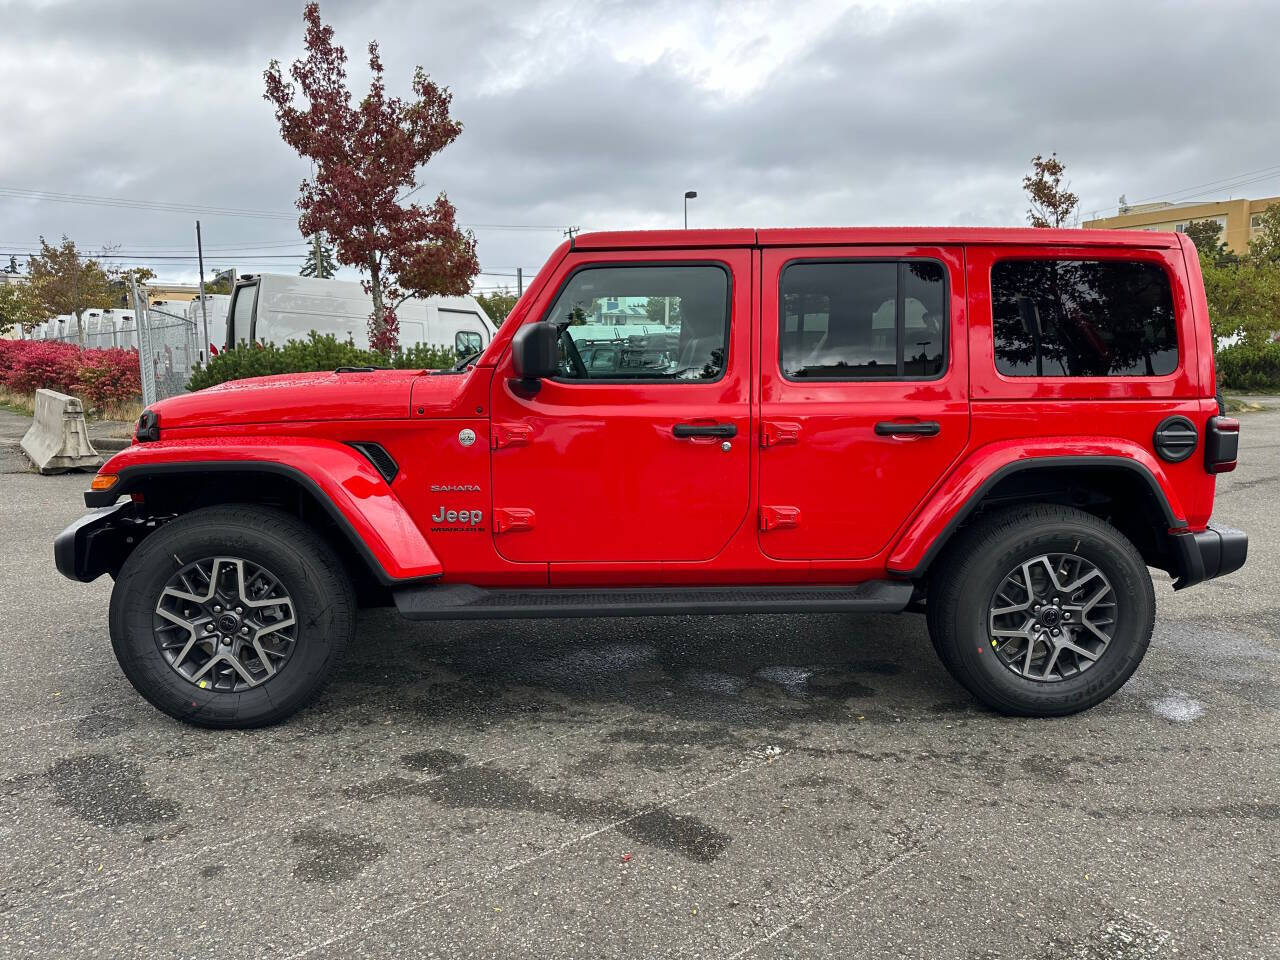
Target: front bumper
x=1214, y=552
x=98, y=542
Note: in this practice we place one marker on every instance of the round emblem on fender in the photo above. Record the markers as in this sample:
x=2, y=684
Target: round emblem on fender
x=466, y=436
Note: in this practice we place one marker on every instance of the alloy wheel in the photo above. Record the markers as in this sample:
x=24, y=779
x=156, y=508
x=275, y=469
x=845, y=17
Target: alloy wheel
x=1052, y=617
x=225, y=624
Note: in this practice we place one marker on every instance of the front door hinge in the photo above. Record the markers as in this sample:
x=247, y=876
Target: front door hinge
x=506, y=519
x=776, y=432
x=779, y=518
x=511, y=434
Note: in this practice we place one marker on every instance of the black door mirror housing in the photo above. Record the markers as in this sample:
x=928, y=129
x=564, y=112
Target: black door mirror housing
x=535, y=354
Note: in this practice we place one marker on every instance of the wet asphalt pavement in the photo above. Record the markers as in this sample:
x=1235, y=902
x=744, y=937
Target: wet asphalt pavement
x=760, y=786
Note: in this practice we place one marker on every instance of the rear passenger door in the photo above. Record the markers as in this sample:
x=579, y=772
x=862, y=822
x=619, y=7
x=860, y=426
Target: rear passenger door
x=863, y=395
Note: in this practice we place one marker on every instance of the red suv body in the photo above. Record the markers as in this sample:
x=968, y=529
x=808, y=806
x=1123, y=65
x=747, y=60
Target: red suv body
x=718, y=421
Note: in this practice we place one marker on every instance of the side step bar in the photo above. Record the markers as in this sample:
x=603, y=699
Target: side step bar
x=465, y=602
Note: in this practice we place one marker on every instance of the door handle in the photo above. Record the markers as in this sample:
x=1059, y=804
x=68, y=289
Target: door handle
x=705, y=430
x=920, y=428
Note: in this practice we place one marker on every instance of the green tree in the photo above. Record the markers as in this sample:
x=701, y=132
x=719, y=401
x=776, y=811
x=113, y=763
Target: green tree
x=220, y=282
x=1243, y=292
x=63, y=281
x=19, y=309
x=319, y=262
x=663, y=310
x=1266, y=245
x=1207, y=236
x=497, y=304
x=1052, y=203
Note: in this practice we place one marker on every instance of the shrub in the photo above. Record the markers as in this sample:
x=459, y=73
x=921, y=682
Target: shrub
x=317, y=352
x=1250, y=366
x=30, y=365
x=108, y=378
x=101, y=378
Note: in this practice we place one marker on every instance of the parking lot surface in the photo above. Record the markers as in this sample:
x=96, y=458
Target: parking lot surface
x=762, y=786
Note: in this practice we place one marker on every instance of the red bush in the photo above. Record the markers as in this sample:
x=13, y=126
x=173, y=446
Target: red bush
x=28, y=365
x=108, y=377
x=98, y=377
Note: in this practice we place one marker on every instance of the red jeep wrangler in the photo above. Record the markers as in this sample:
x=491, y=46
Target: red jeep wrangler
x=1002, y=428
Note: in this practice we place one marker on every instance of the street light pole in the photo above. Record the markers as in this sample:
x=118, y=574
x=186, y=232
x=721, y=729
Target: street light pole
x=688, y=195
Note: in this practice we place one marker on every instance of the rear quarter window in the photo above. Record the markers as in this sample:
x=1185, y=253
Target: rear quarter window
x=1083, y=318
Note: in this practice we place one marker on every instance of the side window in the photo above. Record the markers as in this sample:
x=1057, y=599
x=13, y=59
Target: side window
x=1083, y=318
x=665, y=323
x=242, y=314
x=863, y=320
x=467, y=342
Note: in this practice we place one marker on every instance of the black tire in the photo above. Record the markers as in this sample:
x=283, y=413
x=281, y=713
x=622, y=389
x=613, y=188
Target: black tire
x=306, y=567
x=962, y=587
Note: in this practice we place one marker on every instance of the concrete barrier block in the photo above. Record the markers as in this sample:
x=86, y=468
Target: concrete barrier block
x=58, y=440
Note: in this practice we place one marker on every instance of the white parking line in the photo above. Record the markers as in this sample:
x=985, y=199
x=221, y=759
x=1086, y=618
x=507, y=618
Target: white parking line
x=746, y=767
x=905, y=853
x=49, y=723
x=267, y=831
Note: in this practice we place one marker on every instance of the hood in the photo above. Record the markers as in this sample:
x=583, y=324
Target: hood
x=294, y=397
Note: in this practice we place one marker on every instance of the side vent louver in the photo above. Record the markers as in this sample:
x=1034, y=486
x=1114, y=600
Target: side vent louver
x=382, y=461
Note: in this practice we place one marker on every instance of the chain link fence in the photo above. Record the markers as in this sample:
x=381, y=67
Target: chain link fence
x=169, y=349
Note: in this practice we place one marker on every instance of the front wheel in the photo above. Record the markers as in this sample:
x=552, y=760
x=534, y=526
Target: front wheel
x=1041, y=610
x=231, y=616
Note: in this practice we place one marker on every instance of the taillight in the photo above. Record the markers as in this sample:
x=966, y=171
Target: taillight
x=1221, y=444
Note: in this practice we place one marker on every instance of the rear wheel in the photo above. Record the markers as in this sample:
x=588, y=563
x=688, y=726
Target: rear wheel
x=1041, y=610
x=231, y=616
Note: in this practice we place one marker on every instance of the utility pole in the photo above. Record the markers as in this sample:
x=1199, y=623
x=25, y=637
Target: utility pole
x=316, y=246
x=204, y=306
x=519, y=282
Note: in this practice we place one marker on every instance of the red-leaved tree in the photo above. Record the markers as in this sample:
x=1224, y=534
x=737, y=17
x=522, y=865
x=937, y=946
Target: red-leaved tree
x=367, y=156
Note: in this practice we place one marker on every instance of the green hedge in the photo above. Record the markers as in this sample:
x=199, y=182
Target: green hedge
x=1250, y=366
x=317, y=352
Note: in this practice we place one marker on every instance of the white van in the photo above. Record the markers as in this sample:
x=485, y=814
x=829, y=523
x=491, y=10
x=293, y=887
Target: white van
x=214, y=308
x=273, y=308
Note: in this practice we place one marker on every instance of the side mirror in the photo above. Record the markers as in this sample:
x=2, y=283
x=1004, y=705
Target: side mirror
x=535, y=353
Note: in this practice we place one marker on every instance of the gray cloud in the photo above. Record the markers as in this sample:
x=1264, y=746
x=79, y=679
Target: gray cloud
x=602, y=115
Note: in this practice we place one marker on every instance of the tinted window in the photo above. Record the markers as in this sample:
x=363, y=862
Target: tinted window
x=644, y=323
x=863, y=320
x=1083, y=318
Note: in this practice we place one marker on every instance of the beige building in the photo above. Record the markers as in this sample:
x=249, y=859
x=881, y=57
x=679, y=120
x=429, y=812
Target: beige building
x=159, y=290
x=1240, y=219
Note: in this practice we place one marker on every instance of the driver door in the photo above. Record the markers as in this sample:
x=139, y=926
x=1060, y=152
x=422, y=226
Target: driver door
x=639, y=451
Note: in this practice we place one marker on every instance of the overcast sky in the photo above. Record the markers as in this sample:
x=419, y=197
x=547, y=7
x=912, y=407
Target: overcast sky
x=601, y=115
